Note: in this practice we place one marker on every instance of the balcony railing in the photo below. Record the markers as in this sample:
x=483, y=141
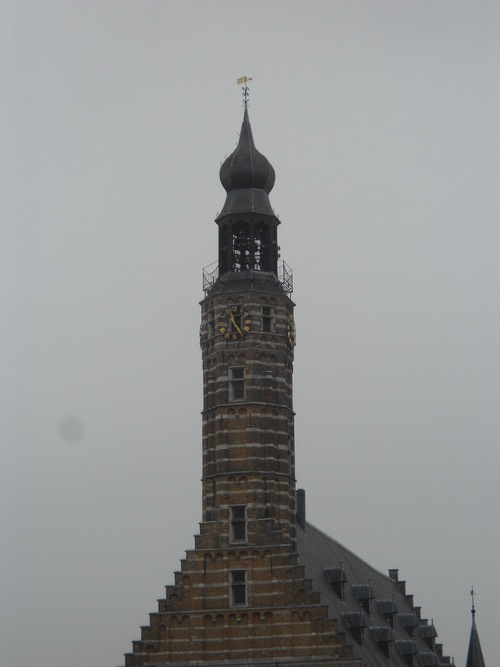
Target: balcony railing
x=285, y=276
x=211, y=275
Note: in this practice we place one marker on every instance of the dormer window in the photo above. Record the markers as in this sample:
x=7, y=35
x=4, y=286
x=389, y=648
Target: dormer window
x=388, y=609
x=356, y=624
x=408, y=650
x=409, y=622
x=429, y=634
x=365, y=595
x=337, y=578
x=384, y=638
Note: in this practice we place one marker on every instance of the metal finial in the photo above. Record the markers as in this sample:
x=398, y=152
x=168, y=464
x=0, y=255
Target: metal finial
x=243, y=81
x=473, y=610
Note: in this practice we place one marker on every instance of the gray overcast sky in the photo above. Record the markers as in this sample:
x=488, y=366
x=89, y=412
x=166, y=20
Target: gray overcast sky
x=381, y=121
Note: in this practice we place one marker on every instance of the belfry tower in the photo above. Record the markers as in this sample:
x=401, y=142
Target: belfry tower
x=248, y=336
x=241, y=597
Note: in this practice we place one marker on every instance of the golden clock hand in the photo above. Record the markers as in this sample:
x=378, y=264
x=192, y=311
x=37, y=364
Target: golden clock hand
x=235, y=325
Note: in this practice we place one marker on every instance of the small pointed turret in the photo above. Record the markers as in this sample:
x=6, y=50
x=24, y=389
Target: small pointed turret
x=474, y=654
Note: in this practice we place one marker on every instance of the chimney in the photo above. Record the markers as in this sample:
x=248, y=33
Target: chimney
x=301, y=508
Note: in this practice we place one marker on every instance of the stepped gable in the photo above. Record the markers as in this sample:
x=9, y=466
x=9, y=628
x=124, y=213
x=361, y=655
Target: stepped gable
x=289, y=623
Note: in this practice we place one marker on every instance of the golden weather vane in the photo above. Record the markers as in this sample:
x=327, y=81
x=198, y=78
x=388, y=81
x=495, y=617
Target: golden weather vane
x=242, y=81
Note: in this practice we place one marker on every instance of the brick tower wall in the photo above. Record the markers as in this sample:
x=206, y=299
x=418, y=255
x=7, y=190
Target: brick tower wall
x=248, y=441
x=241, y=597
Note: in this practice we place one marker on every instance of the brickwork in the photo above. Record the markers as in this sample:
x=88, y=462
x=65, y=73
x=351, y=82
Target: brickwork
x=248, y=443
x=241, y=598
x=248, y=463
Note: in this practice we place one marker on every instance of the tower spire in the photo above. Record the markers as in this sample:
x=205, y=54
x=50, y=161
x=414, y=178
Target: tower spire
x=474, y=653
x=248, y=237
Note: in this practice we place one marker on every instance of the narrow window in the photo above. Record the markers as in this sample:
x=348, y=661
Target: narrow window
x=238, y=523
x=262, y=247
x=238, y=588
x=223, y=244
x=236, y=383
x=267, y=318
x=211, y=323
x=241, y=247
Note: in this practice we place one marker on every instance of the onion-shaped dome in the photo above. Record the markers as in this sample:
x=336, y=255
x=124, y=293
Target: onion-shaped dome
x=247, y=176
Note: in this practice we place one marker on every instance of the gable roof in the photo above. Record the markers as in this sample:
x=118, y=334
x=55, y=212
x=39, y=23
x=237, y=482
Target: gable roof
x=372, y=609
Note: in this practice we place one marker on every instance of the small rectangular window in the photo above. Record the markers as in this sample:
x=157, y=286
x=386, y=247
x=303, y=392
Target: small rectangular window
x=236, y=383
x=211, y=323
x=238, y=523
x=238, y=587
x=267, y=318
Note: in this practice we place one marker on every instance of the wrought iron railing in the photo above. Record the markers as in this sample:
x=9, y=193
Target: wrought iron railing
x=285, y=276
x=211, y=275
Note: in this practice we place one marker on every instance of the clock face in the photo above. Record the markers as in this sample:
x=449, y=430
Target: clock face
x=292, y=336
x=234, y=322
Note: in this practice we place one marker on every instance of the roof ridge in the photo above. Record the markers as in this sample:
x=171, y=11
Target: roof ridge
x=332, y=539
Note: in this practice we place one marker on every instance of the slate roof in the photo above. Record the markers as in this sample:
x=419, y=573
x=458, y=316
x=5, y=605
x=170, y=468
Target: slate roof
x=247, y=176
x=372, y=609
x=474, y=654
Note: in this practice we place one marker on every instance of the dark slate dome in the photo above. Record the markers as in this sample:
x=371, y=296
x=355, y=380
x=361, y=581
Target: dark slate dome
x=247, y=176
x=246, y=167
